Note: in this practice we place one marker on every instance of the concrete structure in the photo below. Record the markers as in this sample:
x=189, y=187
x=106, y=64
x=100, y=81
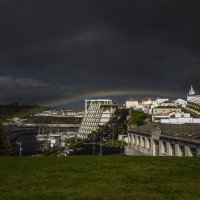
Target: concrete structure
x=97, y=112
x=54, y=142
x=181, y=118
x=146, y=103
x=193, y=106
x=167, y=103
x=73, y=113
x=164, y=112
x=158, y=101
x=180, y=102
x=60, y=113
x=46, y=125
x=164, y=140
x=45, y=129
x=132, y=103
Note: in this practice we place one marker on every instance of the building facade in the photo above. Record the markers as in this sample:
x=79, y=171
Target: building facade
x=193, y=106
x=131, y=103
x=181, y=118
x=164, y=140
x=164, y=112
x=97, y=112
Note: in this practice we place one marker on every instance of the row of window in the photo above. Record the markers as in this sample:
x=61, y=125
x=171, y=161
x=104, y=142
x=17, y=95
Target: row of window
x=140, y=141
x=161, y=146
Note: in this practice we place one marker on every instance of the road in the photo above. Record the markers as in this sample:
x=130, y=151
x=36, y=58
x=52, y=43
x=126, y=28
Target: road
x=88, y=149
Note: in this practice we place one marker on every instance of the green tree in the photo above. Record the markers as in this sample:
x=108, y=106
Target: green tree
x=5, y=147
x=138, y=117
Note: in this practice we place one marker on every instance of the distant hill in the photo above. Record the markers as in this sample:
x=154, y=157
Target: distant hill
x=20, y=111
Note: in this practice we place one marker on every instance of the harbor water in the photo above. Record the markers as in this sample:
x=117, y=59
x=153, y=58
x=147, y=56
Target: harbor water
x=30, y=145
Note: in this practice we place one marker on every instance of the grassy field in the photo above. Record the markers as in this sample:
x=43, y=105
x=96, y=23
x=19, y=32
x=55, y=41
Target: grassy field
x=107, y=177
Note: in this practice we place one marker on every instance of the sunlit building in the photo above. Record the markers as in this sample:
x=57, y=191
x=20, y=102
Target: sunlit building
x=164, y=112
x=132, y=103
x=97, y=112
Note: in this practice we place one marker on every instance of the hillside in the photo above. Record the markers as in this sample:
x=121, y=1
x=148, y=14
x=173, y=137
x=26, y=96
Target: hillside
x=15, y=110
x=107, y=177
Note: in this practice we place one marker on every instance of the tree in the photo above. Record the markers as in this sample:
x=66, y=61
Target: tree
x=138, y=117
x=5, y=147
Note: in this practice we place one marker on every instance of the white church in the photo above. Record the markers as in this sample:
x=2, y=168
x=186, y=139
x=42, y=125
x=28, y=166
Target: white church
x=192, y=96
x=193, y=103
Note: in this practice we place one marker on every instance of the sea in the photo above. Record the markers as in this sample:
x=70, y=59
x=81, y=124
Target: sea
x=30, y=145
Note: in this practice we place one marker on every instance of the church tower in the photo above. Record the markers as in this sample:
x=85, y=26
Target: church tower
x=191, y=92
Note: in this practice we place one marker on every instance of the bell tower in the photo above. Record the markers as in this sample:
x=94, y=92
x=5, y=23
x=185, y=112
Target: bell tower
x=191, y=92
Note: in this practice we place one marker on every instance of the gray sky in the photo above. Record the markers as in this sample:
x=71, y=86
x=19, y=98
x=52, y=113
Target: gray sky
x=59, y=49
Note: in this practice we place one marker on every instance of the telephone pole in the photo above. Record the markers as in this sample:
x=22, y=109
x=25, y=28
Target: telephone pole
x=122, y=146
x=93, y=146
x=20, y=148
x=100, y=144
x=113, y=126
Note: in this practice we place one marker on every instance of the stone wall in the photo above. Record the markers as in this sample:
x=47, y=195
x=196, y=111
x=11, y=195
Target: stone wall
x=136, y=151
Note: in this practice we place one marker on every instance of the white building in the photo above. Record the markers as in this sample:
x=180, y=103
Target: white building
x=193, y=106
x=180, y=102
x=54, y=142
x=158, y=101
x=164, y=112
x=97, y=112
x=132, y=103
x=181, y=118
x=167, y=103
x=146, y=102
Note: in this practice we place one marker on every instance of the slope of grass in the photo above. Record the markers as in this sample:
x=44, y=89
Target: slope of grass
x=107, y=177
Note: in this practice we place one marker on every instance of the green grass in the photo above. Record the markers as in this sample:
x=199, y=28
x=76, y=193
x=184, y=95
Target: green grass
x=107, y=177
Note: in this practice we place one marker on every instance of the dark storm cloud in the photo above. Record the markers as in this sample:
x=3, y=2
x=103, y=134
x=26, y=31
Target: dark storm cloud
x=91, y=45
x=26, y=90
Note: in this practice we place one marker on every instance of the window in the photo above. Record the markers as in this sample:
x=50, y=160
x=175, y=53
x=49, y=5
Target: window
x=181, y=150
x=164, y=148
x=133, y=139
x=148, y=143
x=138, y=140
x=193, y=151
x=156, y=144
x=172, y=152
x=142, y=141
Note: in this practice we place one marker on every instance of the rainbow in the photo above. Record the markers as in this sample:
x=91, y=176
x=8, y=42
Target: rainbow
x=109, y=94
